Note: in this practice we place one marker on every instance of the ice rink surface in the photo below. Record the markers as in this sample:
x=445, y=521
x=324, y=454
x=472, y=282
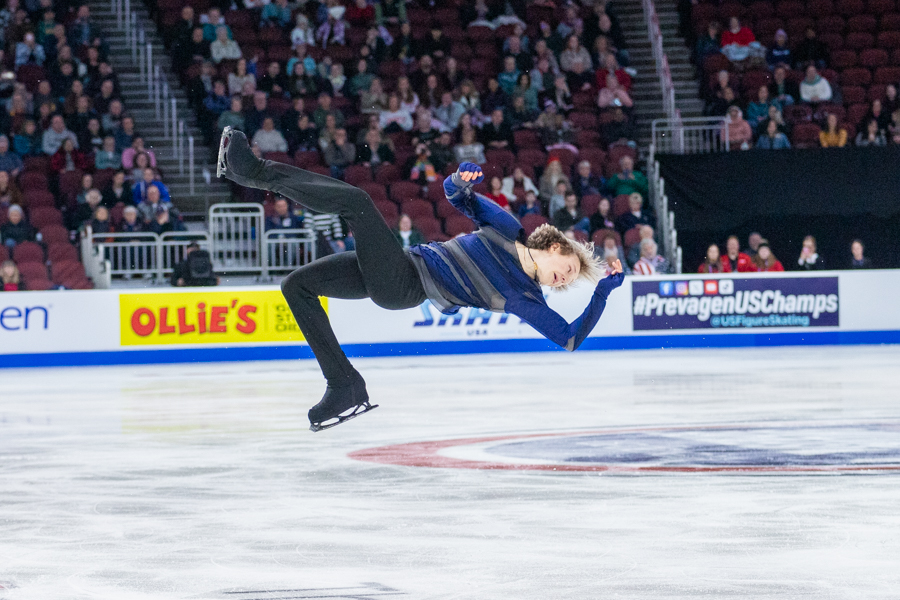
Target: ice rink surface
x=203, y=481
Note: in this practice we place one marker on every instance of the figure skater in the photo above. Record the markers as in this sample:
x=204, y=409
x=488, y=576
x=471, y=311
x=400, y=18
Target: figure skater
x=496, y=268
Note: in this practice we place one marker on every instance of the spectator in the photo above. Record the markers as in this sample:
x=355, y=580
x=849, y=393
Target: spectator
x=100, y=222
x=645, y=232
x=9, y=191
x=239, y=78
x=469, y=97
x=333, y=30
x=326, y=135
x=113, y=119
x=406, y=234
x=497, y=134
x=302, y=33
x=141, y=162
x=55, y=135
x=736, y=130
x=530, y=206
x=116, y=191
x=82, y=31
x=224, y=48
x=9, y=161
x=650, y=262
x=269, y=139
x=738, y=42
x=811, y=51
x=9, y=275
x=16, y=229
x=87, y=184
x=576, y=62
x=627, y=180
x=282, y=217
x=329, y=233
x=90, y=139
x=602, y=219
x=324, y=109
x=141, y=190
x=552, y=175
x=191, y=51
x=68, y=158
x=449, y=112
x=340, y=154
x=516, y=185
x=233, y=117
x=395, y=119
x=469, y=149
x=509, y=77
x=374, y=150
x=276, y=14
x=814, y=88
x=28, y=51
x=753, y=242
x=554, y=130
x=613, y=94
x=891, y=100
x=736, y=261
x=391, y=12
x=304, y=137
x=713, y=262
x=362, y=80
x=832, y=136
x=137, y=147
x=302, y=81
x=558, y=198
x=495, y=193
x=274, y=82
x=611, y=251
x=373, y=100
x=195, y=270
x=758, y=110
x=495, y=98
x=708, y=44
x=782, y=90
x=857, y=259
x=130, y=222
x=809, y=258
x=254, y=116
x=28, y=142
x=585, y=182
x=164, y=221
x=872, y=136
x=612, y=67
x=427, y=127
x=894, y=127
x=569, y=216
x=635, y=216
x=772, y=139
x=125, y=133
x=519, y=116
x=211, y=22
x=764, y=260
x=423, y=170
x=779, y=53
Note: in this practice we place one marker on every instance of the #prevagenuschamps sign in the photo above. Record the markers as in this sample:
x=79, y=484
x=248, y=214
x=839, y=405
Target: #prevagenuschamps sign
x=735, y=303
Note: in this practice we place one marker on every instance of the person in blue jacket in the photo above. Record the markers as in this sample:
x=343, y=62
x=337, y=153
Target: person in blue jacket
x=496, y=268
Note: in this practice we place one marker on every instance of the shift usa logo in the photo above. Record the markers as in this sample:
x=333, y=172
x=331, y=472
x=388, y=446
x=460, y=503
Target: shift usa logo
x=731, y=303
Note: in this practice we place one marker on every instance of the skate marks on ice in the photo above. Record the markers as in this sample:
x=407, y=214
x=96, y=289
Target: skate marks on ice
x=363, y=591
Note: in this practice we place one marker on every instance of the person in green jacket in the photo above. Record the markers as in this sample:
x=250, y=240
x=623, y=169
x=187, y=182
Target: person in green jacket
x=627, y=181
x=406, y=235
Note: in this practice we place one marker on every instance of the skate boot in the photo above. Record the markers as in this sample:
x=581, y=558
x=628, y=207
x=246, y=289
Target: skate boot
x=237, y=162
x=340, y=404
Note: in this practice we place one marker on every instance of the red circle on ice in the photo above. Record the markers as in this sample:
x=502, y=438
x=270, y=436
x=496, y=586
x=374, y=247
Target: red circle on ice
x=737, y=448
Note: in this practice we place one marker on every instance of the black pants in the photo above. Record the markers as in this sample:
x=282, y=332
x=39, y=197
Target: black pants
x=379, y=268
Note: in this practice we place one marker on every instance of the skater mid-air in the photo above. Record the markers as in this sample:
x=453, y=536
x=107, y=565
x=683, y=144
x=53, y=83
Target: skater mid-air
x=496, y=268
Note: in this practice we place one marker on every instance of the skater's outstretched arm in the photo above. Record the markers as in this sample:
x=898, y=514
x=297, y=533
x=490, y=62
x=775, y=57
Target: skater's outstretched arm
x=551, y=325
x=485, y=213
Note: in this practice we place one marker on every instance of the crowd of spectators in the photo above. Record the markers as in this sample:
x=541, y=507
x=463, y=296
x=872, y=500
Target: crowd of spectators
x=803, y=89
x=70, y=154
x=759, y=257
x=392, y=93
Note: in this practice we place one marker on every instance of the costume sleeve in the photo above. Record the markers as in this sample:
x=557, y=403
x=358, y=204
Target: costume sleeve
x=478, y=208
x=551, y=325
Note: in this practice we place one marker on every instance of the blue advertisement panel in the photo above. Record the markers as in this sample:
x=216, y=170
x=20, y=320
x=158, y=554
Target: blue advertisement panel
x=735, y=303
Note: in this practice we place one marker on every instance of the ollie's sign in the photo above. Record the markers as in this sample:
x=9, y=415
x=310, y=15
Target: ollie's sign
x=206, y=317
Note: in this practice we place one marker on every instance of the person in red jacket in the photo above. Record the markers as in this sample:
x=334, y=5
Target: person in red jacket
x=736, y=34
x=714, y=262
x=765, y=260
x=735, y=260
x=68, y=158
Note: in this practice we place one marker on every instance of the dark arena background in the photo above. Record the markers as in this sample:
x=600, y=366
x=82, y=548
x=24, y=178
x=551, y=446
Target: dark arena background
x=729, y=428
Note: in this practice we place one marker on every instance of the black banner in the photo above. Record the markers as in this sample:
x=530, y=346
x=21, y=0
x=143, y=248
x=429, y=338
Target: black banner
x=834, y=194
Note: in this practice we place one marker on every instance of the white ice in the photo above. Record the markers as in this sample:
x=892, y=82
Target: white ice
x=199, y=481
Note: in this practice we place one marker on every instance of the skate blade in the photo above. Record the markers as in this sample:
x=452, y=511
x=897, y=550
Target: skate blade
x=223, y=143
x=340, y=419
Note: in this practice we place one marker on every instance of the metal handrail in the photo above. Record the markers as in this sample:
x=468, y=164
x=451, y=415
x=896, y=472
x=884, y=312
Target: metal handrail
x=659, y=57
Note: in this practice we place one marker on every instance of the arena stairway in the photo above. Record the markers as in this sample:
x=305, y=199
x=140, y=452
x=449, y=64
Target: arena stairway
x=138, y=104
x=646, y=92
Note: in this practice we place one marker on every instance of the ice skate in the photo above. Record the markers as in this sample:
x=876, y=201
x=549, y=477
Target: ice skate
x=236, y=160
x=340, y=404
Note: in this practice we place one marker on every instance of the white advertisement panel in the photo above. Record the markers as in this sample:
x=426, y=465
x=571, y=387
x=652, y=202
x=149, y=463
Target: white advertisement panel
x=253, y=323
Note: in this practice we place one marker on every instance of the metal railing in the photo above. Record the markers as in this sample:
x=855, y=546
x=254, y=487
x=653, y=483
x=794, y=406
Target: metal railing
x=158, y=92
x=695, y=135
x=236, y=242
x=665, y=219
x=662, y=61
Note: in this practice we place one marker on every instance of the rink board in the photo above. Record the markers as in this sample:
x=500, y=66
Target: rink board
x=165, y=325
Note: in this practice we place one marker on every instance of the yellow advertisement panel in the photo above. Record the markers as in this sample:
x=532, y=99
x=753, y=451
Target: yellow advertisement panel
x=211, y=317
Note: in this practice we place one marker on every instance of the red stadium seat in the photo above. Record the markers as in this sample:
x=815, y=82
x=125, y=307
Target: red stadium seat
x=33, y=180
x=30, y=75
x=821, y=8
x=4, y=254
x=889, y=40
x=590, y=203
x=873, y=57
x=632, y=237
x=435, y=192
x=848, y=8
x=28, y=252
x=376, y=191
x=844, y=59
x=620, y=205
x=388, y=210
x=602, y=234
x=357, y=174
x=790, y=8
x=595, y=156
x=854, y=94
x=887, y=75
x=54, y=234
x=856, y=112
x=880, y=7
x=39, y=198
x=834, y=41
x=866, y=23
x=279, y=157
x=583, y=120
x=443, y=209
x=44, y=216
x=856, y=76
x=417, y=208
x=504, y=159
x=876, y=91
x=386, y=174
x=859, y=40
x=805, y=135
x=405, y=190
x=762, y=9
x=305, y=160
x=532, y=222
x=890, y=22
x=831, y=24
x=62, y=252
x=457, y=224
